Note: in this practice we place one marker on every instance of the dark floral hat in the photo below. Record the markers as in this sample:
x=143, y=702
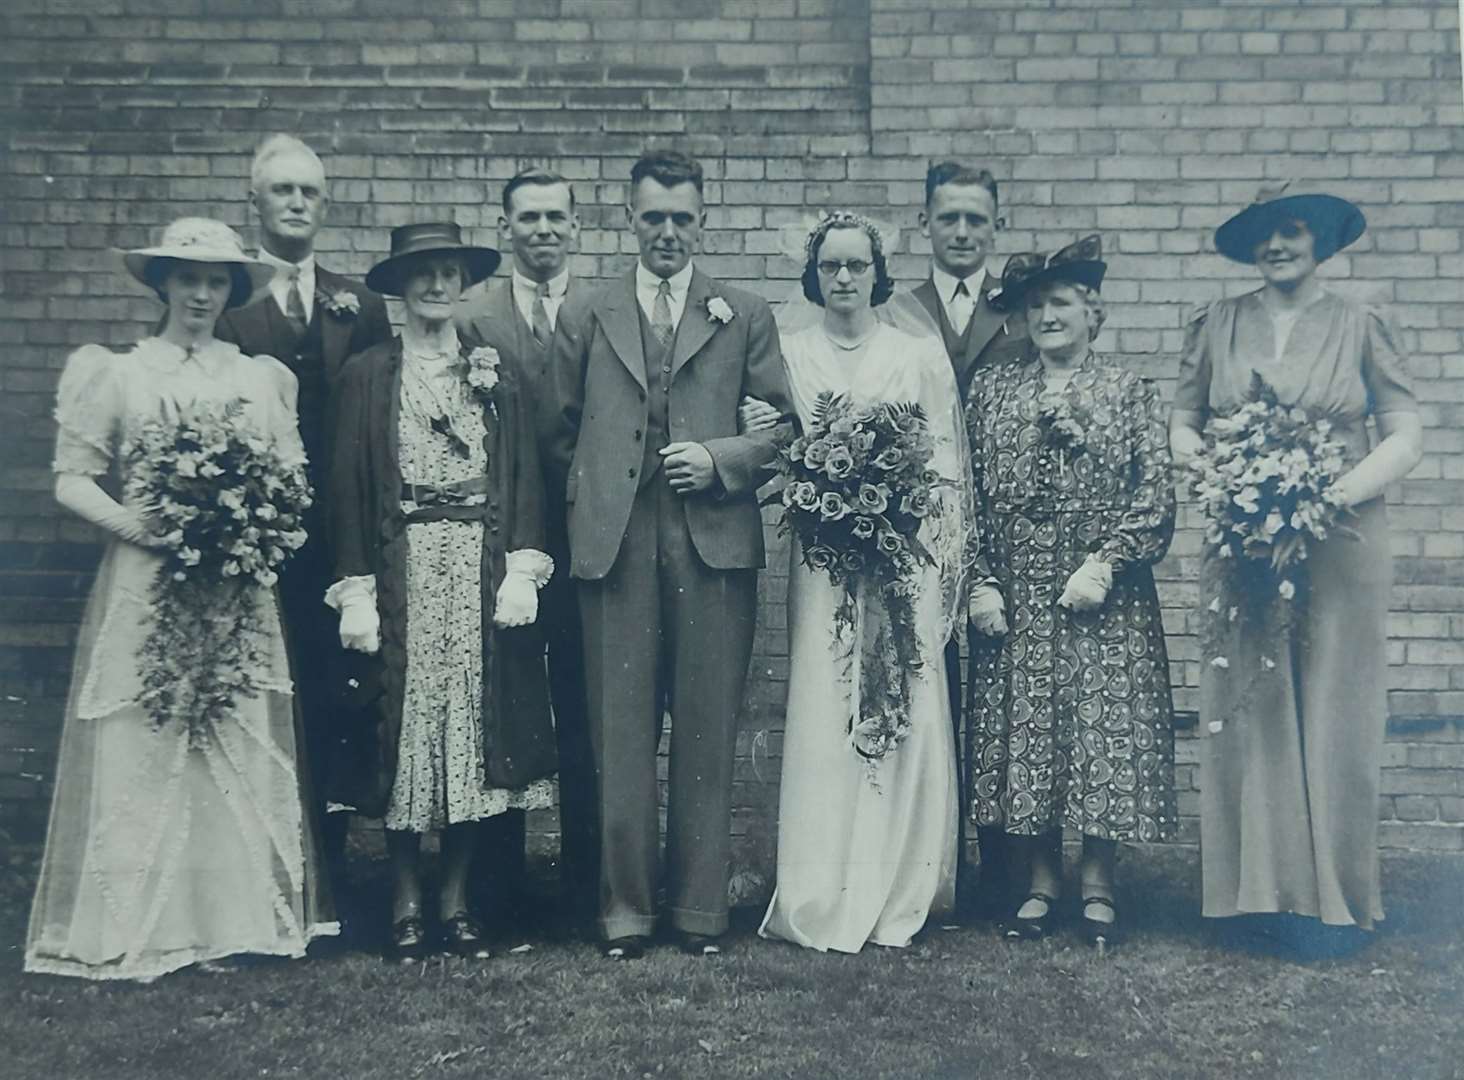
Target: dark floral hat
x=1333, y=222
x=1080, y=263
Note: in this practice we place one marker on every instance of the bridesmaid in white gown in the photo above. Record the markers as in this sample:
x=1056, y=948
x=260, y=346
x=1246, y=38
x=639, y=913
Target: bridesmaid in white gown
x=866, y=851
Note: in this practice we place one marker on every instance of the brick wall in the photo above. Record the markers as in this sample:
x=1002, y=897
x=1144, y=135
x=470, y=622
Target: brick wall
x=1148, y=121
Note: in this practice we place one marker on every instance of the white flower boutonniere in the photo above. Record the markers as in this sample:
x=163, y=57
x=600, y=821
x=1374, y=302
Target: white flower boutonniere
x=719, y=310
x=342, y=303
x=483, y=370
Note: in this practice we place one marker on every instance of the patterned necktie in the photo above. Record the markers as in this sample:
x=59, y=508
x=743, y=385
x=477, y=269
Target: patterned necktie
x=962, y=307
x=294, y=305
x=661, y=324
x=542, y=329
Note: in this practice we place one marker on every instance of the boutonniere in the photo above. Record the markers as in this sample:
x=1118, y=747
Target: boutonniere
x=483, y=370
x=1059, y=422
x=718, y=310
x=342, y=303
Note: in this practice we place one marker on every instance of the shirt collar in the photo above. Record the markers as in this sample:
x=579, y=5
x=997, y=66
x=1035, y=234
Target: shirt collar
x=305, y=266
x=646, y=281
x=558, y=284
x=945, y=284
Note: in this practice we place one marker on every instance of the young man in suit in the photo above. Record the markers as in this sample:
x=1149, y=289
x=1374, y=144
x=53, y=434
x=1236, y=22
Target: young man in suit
x=960, y=221
x=517, y=316
x=311, y=320
x=666, y=541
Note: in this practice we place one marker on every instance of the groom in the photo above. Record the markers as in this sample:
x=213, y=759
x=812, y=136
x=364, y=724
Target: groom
x=666, y=541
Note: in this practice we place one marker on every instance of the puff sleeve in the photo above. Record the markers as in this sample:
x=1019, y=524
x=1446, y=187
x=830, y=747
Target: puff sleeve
x=1384, y=366
x=1192, y=392
x=89, y=408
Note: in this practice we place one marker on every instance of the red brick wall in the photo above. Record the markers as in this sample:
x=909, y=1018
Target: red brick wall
x=1146, y=121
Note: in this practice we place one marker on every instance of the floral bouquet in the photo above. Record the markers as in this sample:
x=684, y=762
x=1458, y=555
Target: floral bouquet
x=226, y=511
x=1264, y=481
x=859, y=485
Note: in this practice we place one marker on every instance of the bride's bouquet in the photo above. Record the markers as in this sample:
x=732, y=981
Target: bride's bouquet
x=226, y=510
x=858, y=486
x=1264, y=479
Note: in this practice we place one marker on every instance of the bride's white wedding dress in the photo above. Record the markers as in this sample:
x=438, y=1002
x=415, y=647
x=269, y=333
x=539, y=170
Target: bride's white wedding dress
x=867, y=854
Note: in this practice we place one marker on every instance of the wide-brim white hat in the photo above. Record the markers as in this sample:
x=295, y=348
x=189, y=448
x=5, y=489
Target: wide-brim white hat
x=199, y=239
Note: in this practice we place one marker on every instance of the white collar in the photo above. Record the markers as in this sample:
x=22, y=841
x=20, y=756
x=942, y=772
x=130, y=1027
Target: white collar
x=945, y=283
x=558, y=284
x=645, y=281
x=433, y=347
x=305, y=266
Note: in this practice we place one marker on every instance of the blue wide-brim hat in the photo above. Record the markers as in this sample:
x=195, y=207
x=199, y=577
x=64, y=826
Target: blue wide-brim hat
x=1333, y=221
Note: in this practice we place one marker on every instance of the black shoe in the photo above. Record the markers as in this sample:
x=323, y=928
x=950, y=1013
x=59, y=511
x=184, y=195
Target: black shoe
x=699, y=944
x=1020, y=929
x=463, y=936
x=408, y=940
x=632, y=947
x=1102, y=935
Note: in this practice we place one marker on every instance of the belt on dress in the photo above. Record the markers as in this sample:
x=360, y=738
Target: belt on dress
x=455, y=493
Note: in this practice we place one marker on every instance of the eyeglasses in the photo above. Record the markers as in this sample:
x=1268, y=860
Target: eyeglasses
x=831, y=267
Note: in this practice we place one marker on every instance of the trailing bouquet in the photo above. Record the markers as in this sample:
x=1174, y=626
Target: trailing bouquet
x=226, y=511
x=859, y=484
x=1264, y=481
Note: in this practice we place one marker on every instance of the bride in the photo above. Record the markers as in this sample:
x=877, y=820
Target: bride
x=866, y=847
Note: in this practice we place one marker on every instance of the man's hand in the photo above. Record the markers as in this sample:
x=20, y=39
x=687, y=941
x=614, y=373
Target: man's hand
x=754, y=415
x=688, y=467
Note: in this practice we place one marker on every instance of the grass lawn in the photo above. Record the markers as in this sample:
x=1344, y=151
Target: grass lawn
x=1173, y=1003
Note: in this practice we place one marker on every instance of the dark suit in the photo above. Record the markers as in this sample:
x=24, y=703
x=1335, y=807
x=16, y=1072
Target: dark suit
x=489, y=315
x=316, y=358
x=667, y=582
x=990, y=337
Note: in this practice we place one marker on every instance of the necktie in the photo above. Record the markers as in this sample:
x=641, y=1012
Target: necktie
x=962, y=307
x=661, y=324
x=294, y=305
x=542, y=329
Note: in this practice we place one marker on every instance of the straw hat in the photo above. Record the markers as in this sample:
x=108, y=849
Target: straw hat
x=411, y=242
x=199, y=239
x=1333, y=221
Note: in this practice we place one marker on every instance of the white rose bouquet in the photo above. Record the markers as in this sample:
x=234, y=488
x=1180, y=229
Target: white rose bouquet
x=226, y=511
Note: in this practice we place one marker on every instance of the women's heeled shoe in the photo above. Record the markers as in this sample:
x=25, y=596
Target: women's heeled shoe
x=1033, y=929
x=408, y=939
x=1102, y=935
x=464, y=937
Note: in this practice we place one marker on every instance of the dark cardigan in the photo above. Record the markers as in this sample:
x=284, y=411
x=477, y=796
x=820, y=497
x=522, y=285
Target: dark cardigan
x=370, y=536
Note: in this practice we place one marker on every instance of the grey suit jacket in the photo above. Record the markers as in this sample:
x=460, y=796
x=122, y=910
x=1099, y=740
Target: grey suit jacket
x=594, y=428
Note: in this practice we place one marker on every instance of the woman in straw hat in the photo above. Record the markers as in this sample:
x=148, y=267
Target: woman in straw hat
x=187, y=843
x=435, y=506
x=1289, y=794
x=1071, y=714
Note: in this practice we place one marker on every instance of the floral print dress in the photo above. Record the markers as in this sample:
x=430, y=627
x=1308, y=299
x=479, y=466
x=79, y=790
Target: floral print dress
x=1071, y=715
x=439, y=778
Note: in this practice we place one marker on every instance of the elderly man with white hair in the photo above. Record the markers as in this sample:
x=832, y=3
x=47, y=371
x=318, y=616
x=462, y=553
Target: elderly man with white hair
x=312, y=320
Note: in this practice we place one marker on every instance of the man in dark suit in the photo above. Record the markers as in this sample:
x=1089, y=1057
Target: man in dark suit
x=517, y=316
x=311, y=320
x=960, y=220
x=666, y=541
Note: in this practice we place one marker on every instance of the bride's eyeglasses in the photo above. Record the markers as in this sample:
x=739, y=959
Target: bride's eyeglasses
x=831, y=267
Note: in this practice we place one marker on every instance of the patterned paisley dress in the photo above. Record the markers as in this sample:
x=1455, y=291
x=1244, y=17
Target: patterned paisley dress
x=1071, y=717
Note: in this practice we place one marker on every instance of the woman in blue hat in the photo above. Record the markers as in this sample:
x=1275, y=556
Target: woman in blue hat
x=1290, y=781
x=435, y=507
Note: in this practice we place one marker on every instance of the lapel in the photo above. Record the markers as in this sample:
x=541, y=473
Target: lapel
x=335, y=332
x=986, y=321
x=619, y=317
x=696, y=327
x=930, y=300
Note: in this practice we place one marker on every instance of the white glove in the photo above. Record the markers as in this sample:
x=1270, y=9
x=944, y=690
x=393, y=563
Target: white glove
x=355, y=599
x=517, y=602
x=83, y=497
x=1088, y=587
x=986, y=610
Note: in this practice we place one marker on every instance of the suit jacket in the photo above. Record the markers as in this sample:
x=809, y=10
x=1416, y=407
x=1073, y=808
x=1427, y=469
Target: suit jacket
x=992, y=338
x=594, y=432
x=262, y=328
x=488, y=315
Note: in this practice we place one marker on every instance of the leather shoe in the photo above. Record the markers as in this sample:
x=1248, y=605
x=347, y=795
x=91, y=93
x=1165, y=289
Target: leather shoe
x=624, y=948
x=408, y=939
x=700, y=944
x=464, y=937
